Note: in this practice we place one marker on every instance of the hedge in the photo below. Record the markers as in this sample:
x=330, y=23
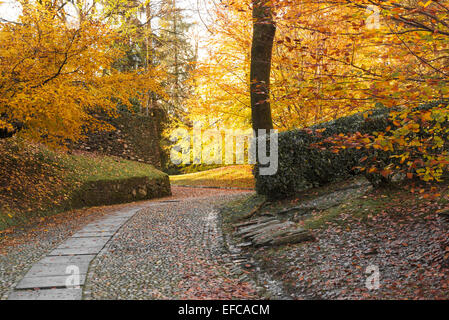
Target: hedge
x=302, y=166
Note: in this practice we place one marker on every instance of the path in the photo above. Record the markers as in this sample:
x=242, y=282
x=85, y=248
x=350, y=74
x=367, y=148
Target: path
x=166, y=249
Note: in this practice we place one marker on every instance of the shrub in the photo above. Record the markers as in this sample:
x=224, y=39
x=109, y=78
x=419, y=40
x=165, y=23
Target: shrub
x=302, y=166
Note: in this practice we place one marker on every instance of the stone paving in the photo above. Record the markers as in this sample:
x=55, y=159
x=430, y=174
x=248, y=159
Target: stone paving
x=61, y=274
x=170, y=251
x=160, y=250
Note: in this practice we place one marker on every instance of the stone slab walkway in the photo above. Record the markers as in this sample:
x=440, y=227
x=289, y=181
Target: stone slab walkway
x=165, y=249
x=61, y=274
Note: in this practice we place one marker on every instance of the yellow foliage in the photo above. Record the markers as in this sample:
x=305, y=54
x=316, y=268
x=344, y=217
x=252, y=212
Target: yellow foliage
x=327, y=61
x=54, y=74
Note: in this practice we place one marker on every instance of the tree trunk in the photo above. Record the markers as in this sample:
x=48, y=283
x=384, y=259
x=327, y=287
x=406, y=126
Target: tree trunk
x=148, y=54
x=264, y=30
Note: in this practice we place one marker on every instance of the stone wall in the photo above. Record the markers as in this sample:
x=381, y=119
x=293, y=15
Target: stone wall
x=108, y=192
x=136, y=137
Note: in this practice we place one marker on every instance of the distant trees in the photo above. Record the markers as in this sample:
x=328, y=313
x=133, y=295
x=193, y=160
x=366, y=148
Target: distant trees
x=157, y=36
x=176, y=54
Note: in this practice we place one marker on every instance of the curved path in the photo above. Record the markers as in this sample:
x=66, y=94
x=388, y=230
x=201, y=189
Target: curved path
x=163, y=249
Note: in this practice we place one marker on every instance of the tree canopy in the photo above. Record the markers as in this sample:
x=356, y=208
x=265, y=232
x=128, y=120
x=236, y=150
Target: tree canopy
x=329, y=59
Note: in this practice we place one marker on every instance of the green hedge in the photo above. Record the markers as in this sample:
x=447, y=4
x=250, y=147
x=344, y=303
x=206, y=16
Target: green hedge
x=302, y=166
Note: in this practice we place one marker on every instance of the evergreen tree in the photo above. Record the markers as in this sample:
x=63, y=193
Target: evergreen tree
x=176, y=55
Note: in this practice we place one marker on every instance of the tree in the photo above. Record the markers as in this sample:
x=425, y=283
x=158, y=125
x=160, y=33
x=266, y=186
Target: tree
x=331, y=59
x=176, y=55
x=55, y=74
x=221, y=96
x=264, y=30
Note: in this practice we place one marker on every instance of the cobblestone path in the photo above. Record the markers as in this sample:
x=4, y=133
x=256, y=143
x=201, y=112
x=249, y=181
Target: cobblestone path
x=170, y=249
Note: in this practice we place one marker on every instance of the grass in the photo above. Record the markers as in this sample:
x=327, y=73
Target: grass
x=238, y=176
x=91, y=168
x=360, y=209
x=233, y=211
x=36, y=181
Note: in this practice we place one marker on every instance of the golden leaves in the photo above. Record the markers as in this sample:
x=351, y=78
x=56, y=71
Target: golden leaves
x=54, y=74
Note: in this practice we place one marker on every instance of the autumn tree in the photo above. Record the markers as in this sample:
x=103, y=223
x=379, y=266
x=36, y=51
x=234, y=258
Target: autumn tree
x=221, y=96
x=57, y=72
x=378, y=53
x=335, y=58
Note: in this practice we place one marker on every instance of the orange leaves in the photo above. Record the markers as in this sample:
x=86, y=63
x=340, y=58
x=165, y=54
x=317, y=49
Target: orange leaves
x=422, y=142
x=415, y=147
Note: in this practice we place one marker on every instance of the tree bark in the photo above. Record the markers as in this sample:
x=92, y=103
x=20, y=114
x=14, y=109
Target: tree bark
x=149, y=55
x=264, y=30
